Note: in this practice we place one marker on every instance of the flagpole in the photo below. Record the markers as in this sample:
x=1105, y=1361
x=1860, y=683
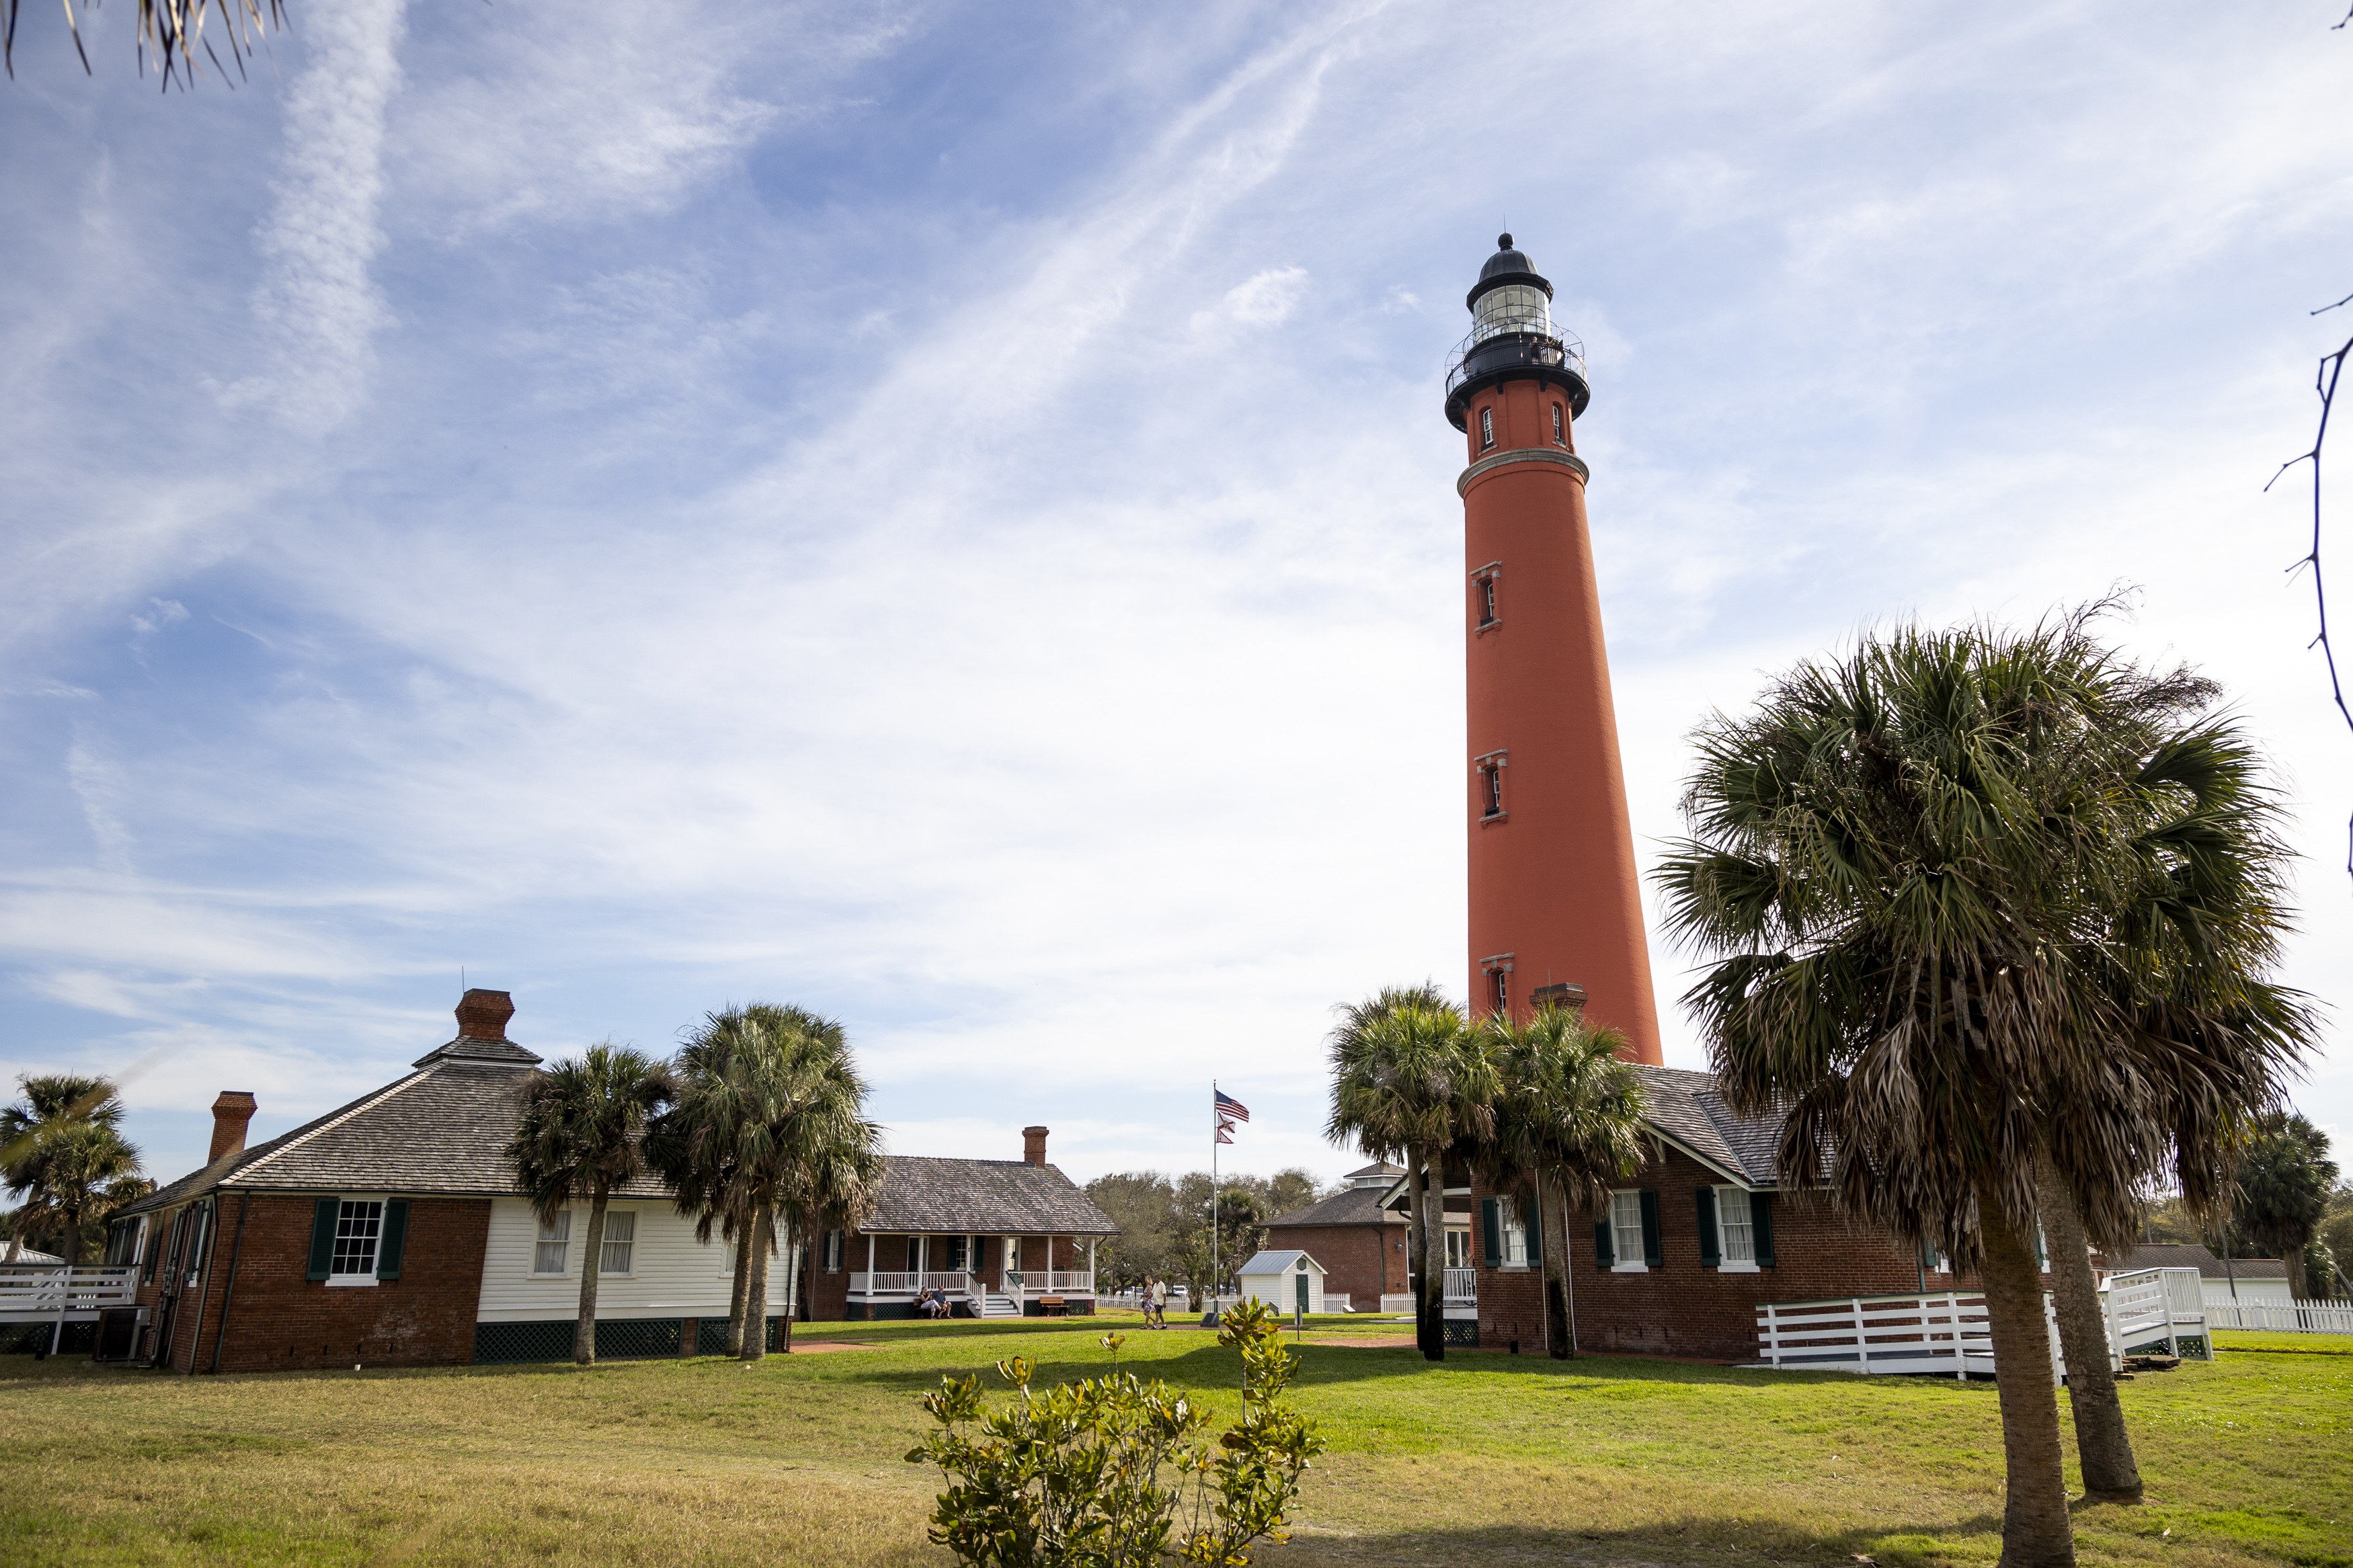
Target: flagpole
x=1217, y=1121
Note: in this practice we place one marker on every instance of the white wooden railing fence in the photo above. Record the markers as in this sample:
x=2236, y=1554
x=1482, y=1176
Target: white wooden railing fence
x=1461, y=1288
x=2284, y=1316
x=1949, y=1332
x=28, y=1294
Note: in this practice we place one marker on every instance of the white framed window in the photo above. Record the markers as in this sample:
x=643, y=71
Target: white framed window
x=1736, y=1232
x=551, y=1253
x=359, y=1229
x=1626, y=1233
x=1512, y=1232
x=620, y=1242
x=1458, y=1250
x=1559, y=427
x=1486, y=428
x=835, y=1244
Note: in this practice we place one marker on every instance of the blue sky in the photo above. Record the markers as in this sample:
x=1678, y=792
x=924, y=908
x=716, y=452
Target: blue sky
x=943, y=512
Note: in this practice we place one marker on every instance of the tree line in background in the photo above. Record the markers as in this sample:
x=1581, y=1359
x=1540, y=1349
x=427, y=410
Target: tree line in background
x=1165, y=1224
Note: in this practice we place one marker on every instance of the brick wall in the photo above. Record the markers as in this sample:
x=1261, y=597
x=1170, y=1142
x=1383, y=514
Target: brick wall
x=1684, y=1308
x=1361, y=1261
x=280, y=1319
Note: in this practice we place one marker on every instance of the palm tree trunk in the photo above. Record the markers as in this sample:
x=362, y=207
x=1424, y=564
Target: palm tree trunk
x=1556, y=1268
x=2102, y=1442
x=1433, y=1255
x=1413, y=1246
x=584, y=1335
x=2035, y=1532
x=737, y=1312
x=755, y=1299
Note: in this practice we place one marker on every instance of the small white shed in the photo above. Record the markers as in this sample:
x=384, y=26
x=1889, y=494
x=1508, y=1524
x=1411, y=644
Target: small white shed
x=1288, y=1282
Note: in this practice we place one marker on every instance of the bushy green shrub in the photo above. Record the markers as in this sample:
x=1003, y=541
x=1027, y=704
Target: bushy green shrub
x=1071, y=1477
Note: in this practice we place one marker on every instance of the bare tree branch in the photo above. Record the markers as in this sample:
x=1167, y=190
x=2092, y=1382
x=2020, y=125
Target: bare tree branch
x=2324, y=383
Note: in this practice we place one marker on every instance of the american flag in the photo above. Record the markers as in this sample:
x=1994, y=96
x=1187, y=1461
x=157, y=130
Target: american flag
x=1228, y=1107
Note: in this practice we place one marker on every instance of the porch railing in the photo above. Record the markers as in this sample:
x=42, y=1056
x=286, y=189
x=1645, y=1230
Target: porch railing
x=910, y=1283
x=27, y=1293
x=1461, y=1287
x=1072, y=1282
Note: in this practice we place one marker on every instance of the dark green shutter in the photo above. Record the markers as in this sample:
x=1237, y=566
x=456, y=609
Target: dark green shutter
x=1604, y=1255
x=1708, y=1255
x=2041, y=1253
x=322, y=1236
x=1490, y=1234
x=1760, y=1220
x=1927, y=1253
x=1533, y=1227
x=396, y=1233
x=1650, y=1254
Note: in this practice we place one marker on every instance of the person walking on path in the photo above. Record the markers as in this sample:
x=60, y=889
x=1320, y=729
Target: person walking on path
x=1157, y=1314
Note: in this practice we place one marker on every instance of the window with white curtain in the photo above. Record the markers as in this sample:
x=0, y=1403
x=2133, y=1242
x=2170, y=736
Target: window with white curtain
x=620, y=1241
x=554, y=1240
x=1512, y=1232
x=1626, y=1231
x=1735, y=1230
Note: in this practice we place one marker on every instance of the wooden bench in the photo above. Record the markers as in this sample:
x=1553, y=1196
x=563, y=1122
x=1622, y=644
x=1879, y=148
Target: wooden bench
x=1053, y=1307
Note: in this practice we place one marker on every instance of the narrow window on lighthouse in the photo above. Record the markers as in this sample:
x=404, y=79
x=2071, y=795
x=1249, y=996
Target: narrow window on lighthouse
x=1486, y=428
x=1494, y=778
x=1503, y=991
x=1486, y=600
x=1559, y=428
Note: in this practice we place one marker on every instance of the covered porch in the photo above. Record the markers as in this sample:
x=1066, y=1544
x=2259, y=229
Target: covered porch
x=982, y=1275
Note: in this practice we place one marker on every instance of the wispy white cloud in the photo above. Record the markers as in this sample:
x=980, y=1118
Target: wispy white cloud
x=318, y=305
x=1015, y=608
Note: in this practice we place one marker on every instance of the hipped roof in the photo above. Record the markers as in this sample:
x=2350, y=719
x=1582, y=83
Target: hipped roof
x=442, y=1131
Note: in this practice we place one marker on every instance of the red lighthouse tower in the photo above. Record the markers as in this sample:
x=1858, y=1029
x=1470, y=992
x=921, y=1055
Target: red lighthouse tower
x=1555, y=907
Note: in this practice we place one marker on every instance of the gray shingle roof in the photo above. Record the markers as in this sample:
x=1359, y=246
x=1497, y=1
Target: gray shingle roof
x=1686, y=1107
x=438, y=1131
x=2191, y=1255
x=982, y=1197
x=441, y=1131
x=1358, y=1205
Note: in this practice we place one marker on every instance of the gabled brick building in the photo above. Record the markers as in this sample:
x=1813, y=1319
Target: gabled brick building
x=389, y=1232
x=1357, y=1240
x=1687, y=1249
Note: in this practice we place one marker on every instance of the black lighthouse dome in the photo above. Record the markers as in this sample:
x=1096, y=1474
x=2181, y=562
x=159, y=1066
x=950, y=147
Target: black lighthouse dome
x=1512, y=336
x=1509, y=264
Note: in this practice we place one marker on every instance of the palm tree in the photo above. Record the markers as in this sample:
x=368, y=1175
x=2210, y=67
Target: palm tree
x=579, y=1135
x=2285, y=1178
x=172, y=31
x=1568, y=1118
x=692, y=1146
x=1409, y=1083
x=62, y=1151
x=769, y=1119
x=1994, y=913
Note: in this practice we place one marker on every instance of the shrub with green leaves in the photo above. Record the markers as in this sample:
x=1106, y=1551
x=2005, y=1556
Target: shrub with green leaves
x=1073, y=1476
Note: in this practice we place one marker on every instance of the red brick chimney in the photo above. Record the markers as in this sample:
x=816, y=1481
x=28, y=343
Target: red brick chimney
x=483, y=1014
x=1033, y=1145
x=231, y=1111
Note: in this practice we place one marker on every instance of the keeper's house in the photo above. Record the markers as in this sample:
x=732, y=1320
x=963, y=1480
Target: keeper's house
x=1685, y=1252
x=389, y=1233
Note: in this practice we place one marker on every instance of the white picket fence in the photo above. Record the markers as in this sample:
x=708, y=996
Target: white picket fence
x=1949, y=1332
x=2284, y=1316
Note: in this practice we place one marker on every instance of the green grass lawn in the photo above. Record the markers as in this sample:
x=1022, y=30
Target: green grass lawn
x=1483, y=1458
